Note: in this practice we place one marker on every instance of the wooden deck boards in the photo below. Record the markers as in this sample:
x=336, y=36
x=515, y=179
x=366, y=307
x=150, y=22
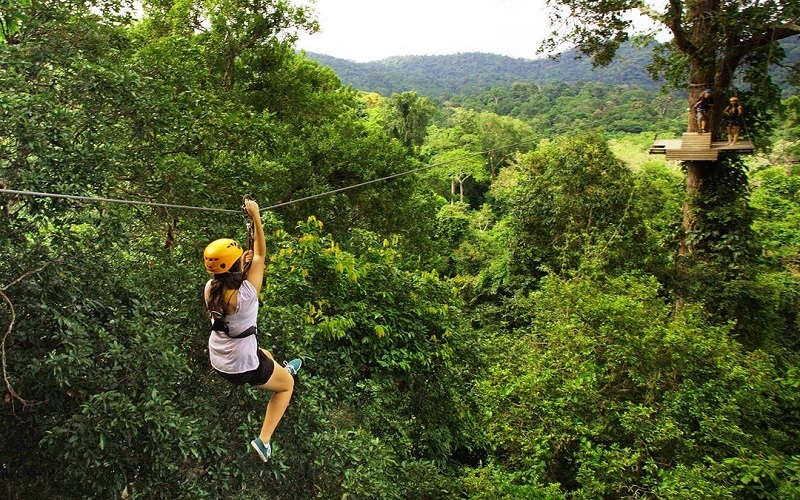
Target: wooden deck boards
x=698, y=147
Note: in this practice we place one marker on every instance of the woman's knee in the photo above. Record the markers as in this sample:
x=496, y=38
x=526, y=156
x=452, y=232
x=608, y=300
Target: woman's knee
x=284, y=387
x=281, y=380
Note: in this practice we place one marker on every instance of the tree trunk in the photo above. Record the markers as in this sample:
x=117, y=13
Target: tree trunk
x=703, y=76
x=695, y=171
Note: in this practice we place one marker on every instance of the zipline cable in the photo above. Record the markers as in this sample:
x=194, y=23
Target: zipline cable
x=373, y=181
x=388, y=177
x=271, y=207
x=113, y=200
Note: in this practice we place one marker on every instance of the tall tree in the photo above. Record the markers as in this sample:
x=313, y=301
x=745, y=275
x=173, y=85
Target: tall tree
x=241, y=37
x=459, y=165
x=713, y=43
x=712, y=39
x=408, y=116
x=500, y=137
x=570, y=209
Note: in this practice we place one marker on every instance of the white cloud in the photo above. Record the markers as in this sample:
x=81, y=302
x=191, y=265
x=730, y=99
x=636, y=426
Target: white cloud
x=368, y=30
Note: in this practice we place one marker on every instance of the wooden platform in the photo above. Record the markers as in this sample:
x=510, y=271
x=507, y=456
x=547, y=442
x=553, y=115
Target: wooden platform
x=698, y=147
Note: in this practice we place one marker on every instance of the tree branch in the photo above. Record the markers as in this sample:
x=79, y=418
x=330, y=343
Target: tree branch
x=3, y=349
x=11, y=390
x=673, y=19
x=35, y=271
x=723, y=73
x=765, y=38
x=788, y=67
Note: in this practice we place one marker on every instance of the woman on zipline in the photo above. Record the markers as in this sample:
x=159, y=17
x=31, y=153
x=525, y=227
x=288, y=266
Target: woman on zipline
x=232, y=301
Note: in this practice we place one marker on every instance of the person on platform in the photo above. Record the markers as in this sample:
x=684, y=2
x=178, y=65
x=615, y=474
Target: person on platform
x=734, y=115
x=703, y=107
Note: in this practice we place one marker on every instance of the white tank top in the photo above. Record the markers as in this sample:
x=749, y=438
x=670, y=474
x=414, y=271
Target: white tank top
x=230, y=355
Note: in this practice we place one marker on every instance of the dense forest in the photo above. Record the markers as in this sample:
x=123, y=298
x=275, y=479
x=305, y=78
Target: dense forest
x=486, y=290
x=455, y=76
x=443, y=76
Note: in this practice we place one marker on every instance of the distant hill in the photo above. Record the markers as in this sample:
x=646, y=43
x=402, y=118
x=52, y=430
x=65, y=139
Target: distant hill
x=468, y=73
x=440, y=77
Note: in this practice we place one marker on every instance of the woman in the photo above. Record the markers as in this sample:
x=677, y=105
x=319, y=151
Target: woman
x=734, y=114
x=232, y=301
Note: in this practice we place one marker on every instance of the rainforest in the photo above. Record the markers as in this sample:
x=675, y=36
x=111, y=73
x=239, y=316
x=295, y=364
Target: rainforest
x=496, y=293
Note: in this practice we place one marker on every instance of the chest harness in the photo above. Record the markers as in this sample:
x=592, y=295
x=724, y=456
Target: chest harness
x=219, y=325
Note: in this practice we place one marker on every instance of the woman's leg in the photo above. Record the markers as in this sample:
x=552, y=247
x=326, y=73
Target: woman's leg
x=281, y=384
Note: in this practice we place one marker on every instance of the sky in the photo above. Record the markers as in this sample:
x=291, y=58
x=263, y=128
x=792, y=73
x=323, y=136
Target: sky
x=370, y=30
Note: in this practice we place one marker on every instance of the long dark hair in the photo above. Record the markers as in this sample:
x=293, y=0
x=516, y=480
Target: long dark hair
x=231, y=280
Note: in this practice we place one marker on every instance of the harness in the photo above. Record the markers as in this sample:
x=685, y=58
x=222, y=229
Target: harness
x=218, y=325
x=705, y=104
x=218, y=322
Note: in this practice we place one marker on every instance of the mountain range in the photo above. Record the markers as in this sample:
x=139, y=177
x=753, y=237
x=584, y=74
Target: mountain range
x=441, y=76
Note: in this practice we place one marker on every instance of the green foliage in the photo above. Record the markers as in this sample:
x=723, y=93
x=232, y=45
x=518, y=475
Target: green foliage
x=501, y=137
x=572, y=207
x=11, y=20
x=385, y=351
x=407, y=118
x=547, y=357
x=245, y=35
x=660, y=192
x=102, y=361
x=458, y=166
x=559, y=107
x=492, y=481
x=727, y=255
x=470, y=150
x=721, y=230
x=452, y=225
x=609, y=391
x=786, y=148
x=776, y=200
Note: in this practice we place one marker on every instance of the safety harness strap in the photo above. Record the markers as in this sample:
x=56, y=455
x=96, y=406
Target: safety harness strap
x=249, y=226
x=253, y=330
x=218, y=325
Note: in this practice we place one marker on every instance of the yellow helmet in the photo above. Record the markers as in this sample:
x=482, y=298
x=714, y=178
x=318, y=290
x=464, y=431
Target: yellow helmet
x=221, y=254
x=734, y=99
